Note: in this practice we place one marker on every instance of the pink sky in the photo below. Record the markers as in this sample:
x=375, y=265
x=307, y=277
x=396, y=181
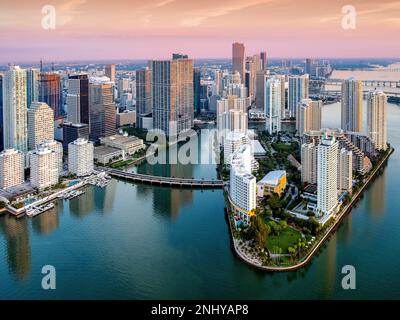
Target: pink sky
x=116, y=29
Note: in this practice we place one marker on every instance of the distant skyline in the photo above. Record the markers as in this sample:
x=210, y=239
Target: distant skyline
x=95, y=30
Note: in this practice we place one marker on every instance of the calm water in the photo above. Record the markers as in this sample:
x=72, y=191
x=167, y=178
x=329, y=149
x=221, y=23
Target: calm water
x=139, y=242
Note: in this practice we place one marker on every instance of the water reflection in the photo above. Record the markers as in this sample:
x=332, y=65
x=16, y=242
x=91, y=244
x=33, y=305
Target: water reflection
x=376, y=204
x=49, y=221
x=16, y=233
x=83, y=205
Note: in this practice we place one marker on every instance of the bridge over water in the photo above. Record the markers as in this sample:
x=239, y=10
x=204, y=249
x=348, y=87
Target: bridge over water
x=167, y=181
x=332, y=87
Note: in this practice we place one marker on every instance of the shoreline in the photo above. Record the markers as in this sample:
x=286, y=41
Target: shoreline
x=308, y=258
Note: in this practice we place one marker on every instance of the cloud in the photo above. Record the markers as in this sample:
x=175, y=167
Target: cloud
x=198, y=19
x=163, y=3
x=68, y=11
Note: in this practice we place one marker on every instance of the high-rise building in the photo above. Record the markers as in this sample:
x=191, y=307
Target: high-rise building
x=377, y=119
x=310, y=67
x=345, y=170
x=309, y=163
x=44, y=168
x=352, y=96
x=32, y=85
x=144, y=100
x=11, y=168
x=243, y=189
x=238, y=60
x=327, y=173
x=261, y=78
x=176, y=56
x=50, y=92
x=15, y=109
x=250, y=78
x=233, y=141
x=78, y=99
x=58, y=149
x=196, y=89
x=1, y=114
x=298, y=90
x=308, y=117
x=123, y=86
x=74, y=131
x=80, y=157
x=232, y=115
x=273, y=104
x=172, y=92
x=40, y=124
x=102, y=108
x=264, y=61
x=110, y=72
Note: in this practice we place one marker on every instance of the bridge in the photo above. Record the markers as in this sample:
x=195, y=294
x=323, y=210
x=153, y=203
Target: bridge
x=332, y=87
x=368, y=83
x=167, y=181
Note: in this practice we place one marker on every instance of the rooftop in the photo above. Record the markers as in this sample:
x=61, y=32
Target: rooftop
x=272, y=177
x=104, y=150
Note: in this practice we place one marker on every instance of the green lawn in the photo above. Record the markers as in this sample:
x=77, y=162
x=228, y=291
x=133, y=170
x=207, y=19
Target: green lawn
x=286, y=239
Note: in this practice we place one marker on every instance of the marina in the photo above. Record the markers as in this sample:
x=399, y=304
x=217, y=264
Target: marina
x=34, y=211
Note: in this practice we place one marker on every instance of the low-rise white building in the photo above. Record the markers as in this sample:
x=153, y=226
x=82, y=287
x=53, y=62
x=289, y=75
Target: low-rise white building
x=129, y=144
x=80, y=157
x=105, y=155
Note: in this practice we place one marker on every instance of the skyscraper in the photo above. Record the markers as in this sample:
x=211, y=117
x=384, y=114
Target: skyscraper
x=40, y=124
x=196, y=89
x=143, y=95
x=15, y=109
x=345, y=170
x=102, y=108
x=352, y=95
x=32, y=85
x=298, y=90
x=172, y=91
x=310, y=67
x=110, y=72
x=261, y=77
x=1, y=114
x=74, y=131
x=377, y=119
x=263, y=57
x=308, y=116
x=327, y=173
x=78, y=99
x=238, y=60
x=273, y=104
x=309, y=163
x=50, y=92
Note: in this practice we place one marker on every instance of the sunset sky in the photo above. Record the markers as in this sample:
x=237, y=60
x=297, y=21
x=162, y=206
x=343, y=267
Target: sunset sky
x=116, y=29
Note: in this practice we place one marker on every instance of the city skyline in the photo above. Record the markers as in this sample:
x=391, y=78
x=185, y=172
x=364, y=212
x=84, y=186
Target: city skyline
x=201, y=29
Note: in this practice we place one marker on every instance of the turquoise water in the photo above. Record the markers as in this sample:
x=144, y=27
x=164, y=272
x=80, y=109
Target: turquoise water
x=132, y=241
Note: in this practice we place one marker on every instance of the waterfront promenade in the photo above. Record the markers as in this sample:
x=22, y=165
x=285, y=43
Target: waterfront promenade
x=307, y=259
